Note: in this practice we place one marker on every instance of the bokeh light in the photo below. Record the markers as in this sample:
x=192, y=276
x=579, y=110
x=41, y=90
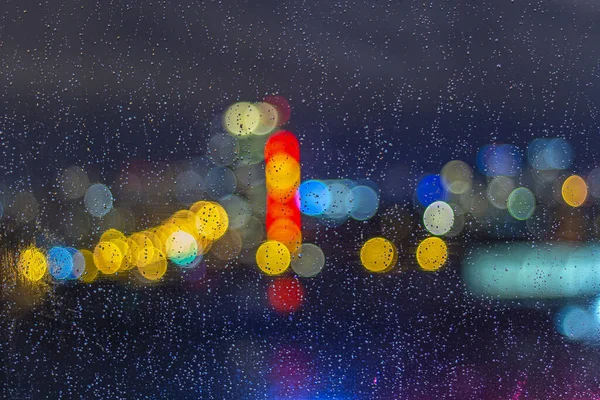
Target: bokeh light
x=282, y=106
x=497, y=160
x=60, y=262
x=269, y=118
x=457, y=176
x=182, y=249
x=241, y=119
x=98, y=200
x=213, y=217
x=155, y=268
x=273, y=258
x=498, y=191
x=32, y=264
x=378, y=254
x=108, y=257
x=521, y=203
x=90, y=273
x=438, y=218
x=314, y=197
x=285, y=231
x=574, y=191
x=282, y=142
x=78, y=263
x=550, y=154
x=432, y=254
x=308, y=261
x=285, y=295
x=430, y=189
x=362, y=202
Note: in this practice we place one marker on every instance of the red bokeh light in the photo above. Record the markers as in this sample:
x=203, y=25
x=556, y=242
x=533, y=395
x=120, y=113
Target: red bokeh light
x=285, y=295
x=282, y=142
x=282, y=106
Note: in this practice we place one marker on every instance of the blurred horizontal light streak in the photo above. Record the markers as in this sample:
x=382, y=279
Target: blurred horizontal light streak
x=526, y=270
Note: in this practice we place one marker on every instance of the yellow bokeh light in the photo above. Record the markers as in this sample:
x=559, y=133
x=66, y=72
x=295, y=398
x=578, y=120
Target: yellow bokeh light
x=282, y=172
x=213, y=217
x=242, y=119
x=141, y=250
x=155, y=268
x=33, y=264
x=181, y=248
x=108, y=257
x=432, y=254
x=574, y=191
x=287, y=232
x=186, y=220
x=269, y=118
x=90, y=273
x=273, y=258
x=378, y=254
x=112, y=234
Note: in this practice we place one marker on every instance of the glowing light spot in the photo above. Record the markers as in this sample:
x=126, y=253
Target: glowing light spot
x=286, y=232
x=282, y=142
x=269, y=119
x=574, y=191
x=308, y=261
x=521, y=203
x=362, y=202
x=108, y=257
x=98, y=200
x=378, y=254
x=338, y=207
x=273, y=258
x=430, y=189
x=283, y=107
x=213, y=217
x=60, y=262
x=498, y=191
x=32, y=264
x=550, y=154
x=155, y=268
x=438, y=218
x=112, y=234
x=141, y=250
x=314, y=197
x=241, y=119
x=432, y=254
x=575, y=323
x=283, y=177
x=182, y=249
x=457, y=176
x=78, y=263
x=497, y=160
x=285, y=295
x=90, y=273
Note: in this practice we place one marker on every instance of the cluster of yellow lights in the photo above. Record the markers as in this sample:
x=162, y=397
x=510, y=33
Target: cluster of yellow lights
x=380, y=255
x=244, y=118
x=182, y=239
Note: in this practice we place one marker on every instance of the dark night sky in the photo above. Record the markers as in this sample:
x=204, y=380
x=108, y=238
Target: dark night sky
x=99, y=82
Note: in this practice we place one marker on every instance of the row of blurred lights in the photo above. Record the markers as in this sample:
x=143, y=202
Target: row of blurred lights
x=443, y=199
